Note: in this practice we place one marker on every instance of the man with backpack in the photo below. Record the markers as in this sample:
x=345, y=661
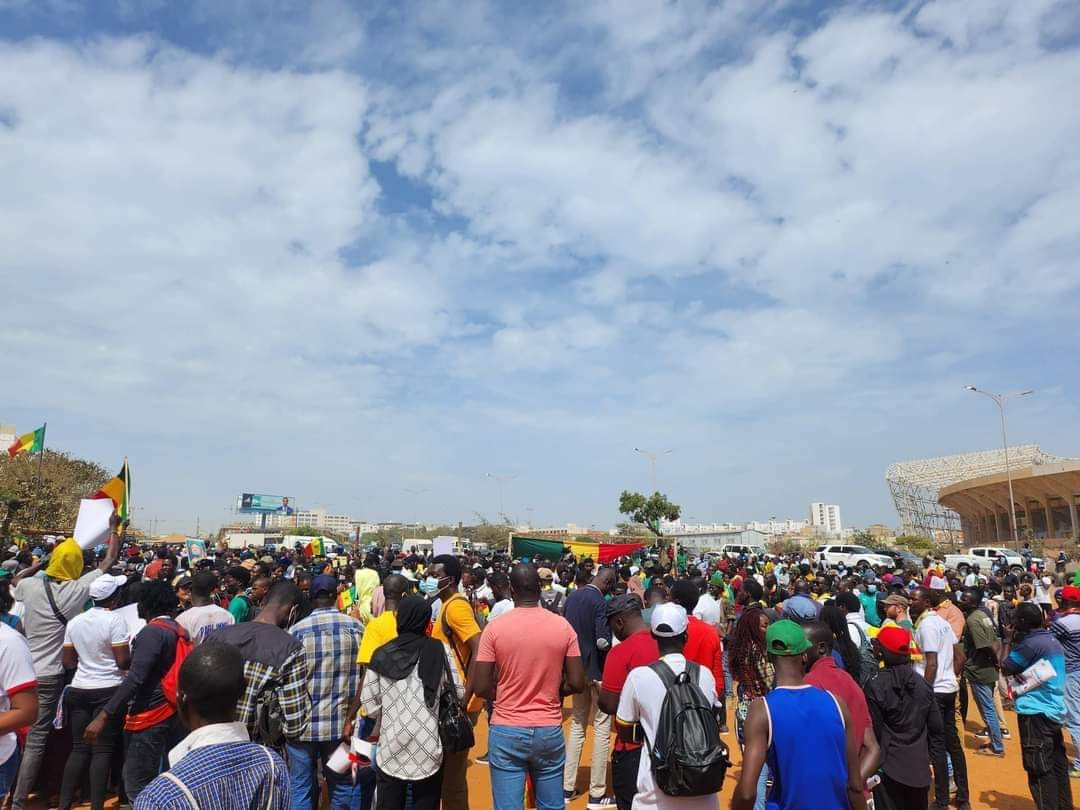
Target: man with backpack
x=276, y=703
x=858, y=630
x=668, y=707
x=804, y=733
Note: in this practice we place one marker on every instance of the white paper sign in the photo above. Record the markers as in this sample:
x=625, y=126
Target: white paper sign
x=92, y=524
x=442, y=544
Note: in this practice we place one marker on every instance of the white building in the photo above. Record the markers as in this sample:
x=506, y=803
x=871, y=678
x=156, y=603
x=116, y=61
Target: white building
x=320, y=519
x=7, y=436
x=825, y=517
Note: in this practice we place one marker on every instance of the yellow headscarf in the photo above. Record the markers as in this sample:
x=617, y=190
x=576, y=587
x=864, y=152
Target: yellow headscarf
x=66, y=561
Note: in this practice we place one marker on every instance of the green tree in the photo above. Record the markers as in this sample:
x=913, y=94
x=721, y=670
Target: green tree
x=53, y=504
x=913, y=542
x=862, y=538
x=648, y=511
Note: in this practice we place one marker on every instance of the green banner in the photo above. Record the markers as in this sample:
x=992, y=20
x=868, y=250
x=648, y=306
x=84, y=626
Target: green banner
x=535, y=547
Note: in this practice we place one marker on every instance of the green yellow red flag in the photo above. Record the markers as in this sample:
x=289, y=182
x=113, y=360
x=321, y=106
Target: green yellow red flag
x=118, y=490
x=32, y=442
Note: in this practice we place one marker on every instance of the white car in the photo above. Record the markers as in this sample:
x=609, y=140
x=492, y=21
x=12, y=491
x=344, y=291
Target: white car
x=852, y=556
x=732, y=550
x=985, y=557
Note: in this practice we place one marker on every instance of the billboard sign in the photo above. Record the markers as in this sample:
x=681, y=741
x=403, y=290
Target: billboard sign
x=265, y=504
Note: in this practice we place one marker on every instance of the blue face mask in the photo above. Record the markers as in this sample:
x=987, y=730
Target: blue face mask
x=871, y=588
x=646, y=614
x=429, y=585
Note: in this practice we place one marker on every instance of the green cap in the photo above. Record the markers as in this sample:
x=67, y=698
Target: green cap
x=716, y=579
x=786, y=638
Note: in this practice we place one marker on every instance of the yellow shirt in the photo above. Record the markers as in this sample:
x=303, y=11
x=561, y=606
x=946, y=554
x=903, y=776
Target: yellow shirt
x=459, y=617
x=381, y=629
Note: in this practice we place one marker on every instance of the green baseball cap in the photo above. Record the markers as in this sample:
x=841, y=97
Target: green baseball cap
x=785, y=638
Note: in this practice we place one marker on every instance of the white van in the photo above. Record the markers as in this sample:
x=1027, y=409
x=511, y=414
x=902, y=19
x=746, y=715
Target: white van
x=733, y=550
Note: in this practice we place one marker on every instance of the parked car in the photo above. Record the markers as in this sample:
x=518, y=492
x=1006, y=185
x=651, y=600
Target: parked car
x=733, y=550
x=851, y=556
x=985, y=557
x=901, y=557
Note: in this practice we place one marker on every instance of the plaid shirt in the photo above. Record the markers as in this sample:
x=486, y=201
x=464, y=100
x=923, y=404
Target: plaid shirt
x=228, y=775
x=331, y=643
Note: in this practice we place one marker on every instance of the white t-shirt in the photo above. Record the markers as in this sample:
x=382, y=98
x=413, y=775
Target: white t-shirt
x=708, y=610
x=200, y=622
x=93, y=634
x=16, y=675
x=934, y=635
x=499, y=608
x=641, y=700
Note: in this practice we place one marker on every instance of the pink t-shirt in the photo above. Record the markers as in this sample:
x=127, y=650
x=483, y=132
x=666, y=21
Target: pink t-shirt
x=528, y=647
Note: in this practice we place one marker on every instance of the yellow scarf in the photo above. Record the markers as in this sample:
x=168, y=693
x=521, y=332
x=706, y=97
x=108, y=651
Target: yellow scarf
x=66, y=562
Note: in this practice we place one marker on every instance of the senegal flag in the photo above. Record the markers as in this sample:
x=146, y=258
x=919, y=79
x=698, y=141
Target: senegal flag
x=314, y=548
x=32, y=442
x=346, y=599
x=118, y=490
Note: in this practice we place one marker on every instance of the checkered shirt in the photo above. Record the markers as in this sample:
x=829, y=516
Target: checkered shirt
x=331, y=643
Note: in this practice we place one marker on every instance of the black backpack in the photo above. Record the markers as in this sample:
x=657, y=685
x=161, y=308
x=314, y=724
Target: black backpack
x=687, y=757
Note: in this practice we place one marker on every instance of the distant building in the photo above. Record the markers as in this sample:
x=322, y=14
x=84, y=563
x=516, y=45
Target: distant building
x=7, y=436
x=714, y=541
x=826, y=518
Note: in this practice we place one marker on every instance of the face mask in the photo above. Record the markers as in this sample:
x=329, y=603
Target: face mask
x=429, y=585
x=646, y=614
x=871, y=588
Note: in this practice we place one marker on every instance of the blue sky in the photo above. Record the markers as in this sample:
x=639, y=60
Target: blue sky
x=343, y=250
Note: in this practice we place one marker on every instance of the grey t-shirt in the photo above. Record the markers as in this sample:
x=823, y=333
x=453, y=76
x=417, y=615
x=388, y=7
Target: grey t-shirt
x=44, y=632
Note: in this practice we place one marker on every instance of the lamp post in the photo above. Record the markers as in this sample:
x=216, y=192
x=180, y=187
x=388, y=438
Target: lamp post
x=652, y=456
x=1001, y=400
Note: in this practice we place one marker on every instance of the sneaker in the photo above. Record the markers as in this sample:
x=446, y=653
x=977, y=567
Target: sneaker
x=987, y=751
x=600, y=803
x=481, y=760
x=568, y=796
x=985, y=734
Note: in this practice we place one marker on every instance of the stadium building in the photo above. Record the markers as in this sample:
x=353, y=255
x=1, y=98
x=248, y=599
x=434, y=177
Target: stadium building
x=966, y=496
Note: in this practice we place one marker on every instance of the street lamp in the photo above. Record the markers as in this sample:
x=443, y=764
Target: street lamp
x=502, y=479
x=1001, y=400
x=652, y=456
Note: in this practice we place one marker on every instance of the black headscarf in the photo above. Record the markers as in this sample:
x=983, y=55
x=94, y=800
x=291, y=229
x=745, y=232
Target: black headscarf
x=396, y=659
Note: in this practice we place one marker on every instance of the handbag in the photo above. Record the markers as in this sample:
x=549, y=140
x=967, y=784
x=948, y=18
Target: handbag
x=455, y=729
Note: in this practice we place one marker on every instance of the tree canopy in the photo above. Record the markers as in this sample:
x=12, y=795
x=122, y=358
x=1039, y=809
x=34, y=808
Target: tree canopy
x=648, y=511
x=52, y=505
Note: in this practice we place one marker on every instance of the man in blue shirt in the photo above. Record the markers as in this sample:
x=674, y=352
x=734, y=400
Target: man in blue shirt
x=1041, y=710
x=1066, y=629
x=586, y=610
x=216, y=765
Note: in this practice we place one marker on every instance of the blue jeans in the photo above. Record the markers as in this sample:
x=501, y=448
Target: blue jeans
x=304, y=761
x=517, y=751
x=1072, y=710
x=984, y=699
x=8, y=771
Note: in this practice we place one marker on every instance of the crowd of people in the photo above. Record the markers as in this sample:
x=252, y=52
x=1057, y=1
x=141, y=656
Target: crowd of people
x=264, y=678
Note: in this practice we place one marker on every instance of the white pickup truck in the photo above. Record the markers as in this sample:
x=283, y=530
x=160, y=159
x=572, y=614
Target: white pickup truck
x=985, y=557
x=852, y=556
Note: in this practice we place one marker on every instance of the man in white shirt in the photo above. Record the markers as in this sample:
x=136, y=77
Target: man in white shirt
x=707, y=608
x=18, y=700
x=937, y=641
x=642, y=699
x=500, y=589
x=205, y=615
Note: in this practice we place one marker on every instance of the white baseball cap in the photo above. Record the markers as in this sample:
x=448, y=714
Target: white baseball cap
x=668, y=620
x=105, y=586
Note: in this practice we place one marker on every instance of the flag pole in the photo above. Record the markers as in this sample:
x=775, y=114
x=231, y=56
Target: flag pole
x=41, y=461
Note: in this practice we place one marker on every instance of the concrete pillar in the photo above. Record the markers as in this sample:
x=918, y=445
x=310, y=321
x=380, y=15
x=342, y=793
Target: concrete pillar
x=1072, y=516
x=1050, y=528
x=997, y=527
x=1027, y=519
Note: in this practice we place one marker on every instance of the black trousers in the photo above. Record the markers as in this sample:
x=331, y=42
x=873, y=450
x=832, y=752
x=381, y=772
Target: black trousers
x=1042, y=748
x=391, y=793
x=624, y=769
x=893, y=795
x=81, y=706
x=955, y=749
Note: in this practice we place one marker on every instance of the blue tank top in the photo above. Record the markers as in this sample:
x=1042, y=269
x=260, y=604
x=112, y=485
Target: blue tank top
x=807, y=750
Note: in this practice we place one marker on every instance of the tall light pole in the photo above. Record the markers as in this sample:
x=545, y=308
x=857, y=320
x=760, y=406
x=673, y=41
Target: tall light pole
x=1001, y=400
x=652, y=456
x=502, y=479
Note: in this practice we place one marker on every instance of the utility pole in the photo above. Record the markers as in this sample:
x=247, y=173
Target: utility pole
x=652, y=456
x=1001, y=400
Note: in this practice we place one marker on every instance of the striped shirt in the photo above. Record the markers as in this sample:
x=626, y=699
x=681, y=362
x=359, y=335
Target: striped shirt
x=227, y=776
x=1066, y=629
x=331, y=644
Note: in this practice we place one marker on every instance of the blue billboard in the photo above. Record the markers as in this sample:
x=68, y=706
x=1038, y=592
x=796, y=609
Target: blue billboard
x=265, y=504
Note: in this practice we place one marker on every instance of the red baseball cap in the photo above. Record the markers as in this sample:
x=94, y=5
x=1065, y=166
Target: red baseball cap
x=895, y=639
